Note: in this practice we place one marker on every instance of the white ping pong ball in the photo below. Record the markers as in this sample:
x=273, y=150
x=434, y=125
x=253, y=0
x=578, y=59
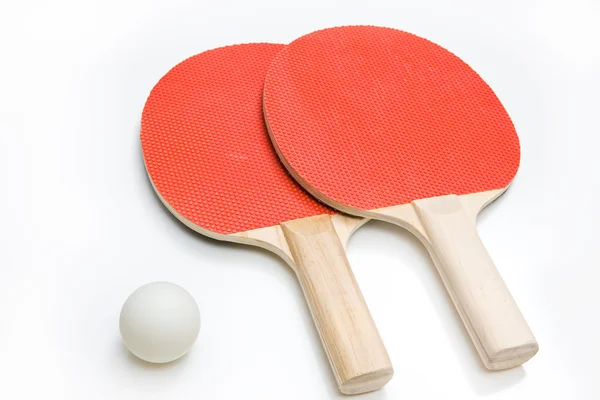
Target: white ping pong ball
x=159, y=322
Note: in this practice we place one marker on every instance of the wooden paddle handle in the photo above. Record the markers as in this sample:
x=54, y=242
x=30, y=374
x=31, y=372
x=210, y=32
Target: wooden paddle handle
x=497, y=327
x=355, y=350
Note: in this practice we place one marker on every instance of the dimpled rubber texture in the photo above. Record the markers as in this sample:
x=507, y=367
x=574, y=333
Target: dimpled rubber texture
x=206, y=148
x=369, y=117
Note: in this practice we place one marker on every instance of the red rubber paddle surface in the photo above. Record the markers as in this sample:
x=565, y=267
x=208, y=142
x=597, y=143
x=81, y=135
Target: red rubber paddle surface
x=206, y=147
x=371, y=117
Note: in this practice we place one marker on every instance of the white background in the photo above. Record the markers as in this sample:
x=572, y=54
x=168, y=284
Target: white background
x=81, y=228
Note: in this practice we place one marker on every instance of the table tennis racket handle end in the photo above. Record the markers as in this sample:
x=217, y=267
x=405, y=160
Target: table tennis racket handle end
x=354, y=347
x=498, y=329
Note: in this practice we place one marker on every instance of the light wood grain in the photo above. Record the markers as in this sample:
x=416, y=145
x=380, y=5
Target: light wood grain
x=447, y=227
x=314, y=248
x=356, y=352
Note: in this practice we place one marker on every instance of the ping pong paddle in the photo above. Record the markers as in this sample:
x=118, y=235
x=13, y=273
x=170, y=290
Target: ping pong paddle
x=383, y=124
x=210, y=160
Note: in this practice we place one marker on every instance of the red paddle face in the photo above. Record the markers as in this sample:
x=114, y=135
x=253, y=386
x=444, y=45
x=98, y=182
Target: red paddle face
x=206, y=148
x=369, y=117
